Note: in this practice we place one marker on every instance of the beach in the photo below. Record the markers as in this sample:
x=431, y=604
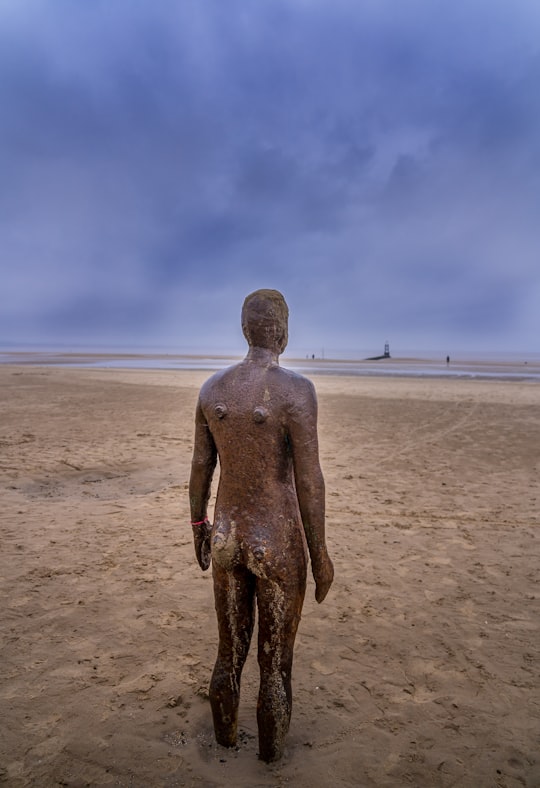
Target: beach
x=420, y=668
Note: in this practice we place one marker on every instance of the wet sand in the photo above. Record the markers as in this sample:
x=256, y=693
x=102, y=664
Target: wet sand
x=422, y=666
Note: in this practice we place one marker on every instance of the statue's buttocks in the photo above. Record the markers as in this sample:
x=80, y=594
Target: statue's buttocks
x=229, y=552
x=263, y=547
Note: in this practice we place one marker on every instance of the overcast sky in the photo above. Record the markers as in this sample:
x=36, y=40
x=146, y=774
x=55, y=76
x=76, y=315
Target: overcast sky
x=378, y=161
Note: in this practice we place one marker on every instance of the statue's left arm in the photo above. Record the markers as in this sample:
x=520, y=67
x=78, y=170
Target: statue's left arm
x=202, y=471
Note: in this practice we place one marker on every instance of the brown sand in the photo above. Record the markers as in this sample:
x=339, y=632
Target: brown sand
x=422, y=666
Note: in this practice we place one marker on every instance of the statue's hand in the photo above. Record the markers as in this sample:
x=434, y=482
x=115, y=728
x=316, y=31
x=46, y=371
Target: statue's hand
x=201, y=539
x=323, y=574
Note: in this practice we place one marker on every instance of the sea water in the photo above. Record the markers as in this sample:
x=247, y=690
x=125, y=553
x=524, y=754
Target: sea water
x=508, y=366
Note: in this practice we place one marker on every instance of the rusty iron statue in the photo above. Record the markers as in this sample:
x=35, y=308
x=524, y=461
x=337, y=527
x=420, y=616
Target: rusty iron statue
x=261, y=421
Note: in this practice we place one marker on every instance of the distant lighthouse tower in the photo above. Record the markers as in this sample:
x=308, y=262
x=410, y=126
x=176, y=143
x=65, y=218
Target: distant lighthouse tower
x=386, y=353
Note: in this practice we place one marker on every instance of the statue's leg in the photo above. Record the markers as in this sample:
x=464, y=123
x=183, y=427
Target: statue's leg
x=234, y=592
x=280, y=606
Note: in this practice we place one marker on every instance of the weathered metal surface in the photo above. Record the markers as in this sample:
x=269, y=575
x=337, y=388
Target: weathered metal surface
x=261, y=420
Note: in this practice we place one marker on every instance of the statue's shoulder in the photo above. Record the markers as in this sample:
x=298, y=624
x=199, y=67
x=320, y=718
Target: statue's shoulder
x=297, y=385
x=218, y=380
x=295, y=377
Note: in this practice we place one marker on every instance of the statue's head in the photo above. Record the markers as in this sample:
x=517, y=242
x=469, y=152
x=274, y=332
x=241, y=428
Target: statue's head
x=265, y=317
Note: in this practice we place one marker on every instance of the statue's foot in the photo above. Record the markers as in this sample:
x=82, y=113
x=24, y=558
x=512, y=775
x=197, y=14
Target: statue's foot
x=270, y=754
x=227, y=739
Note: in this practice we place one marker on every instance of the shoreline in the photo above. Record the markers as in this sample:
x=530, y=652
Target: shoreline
x=501, y=369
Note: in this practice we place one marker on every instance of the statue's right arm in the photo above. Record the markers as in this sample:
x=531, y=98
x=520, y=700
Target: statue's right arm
x=202, y=470
x=309, y=484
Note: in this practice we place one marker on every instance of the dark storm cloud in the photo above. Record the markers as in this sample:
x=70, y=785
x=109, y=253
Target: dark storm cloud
x=376, y=161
